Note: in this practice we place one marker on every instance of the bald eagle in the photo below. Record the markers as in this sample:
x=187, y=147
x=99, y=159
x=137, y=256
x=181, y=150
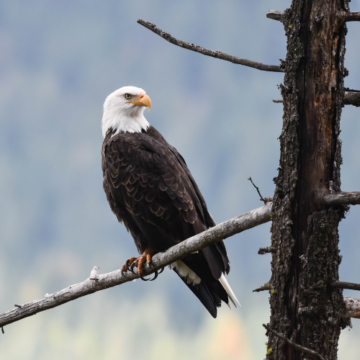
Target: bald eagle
x=151, y=190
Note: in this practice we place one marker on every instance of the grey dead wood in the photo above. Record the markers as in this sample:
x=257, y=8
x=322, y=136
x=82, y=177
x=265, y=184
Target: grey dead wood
x=335, y=284
x=345, y=285
x=103, y=281
x=348, y=15
x=94, y=274
x=296, y=346
x=266, y=250
x=208, y=52
x=97, y=282
x=342, y=198
x=265, y=287
x=275, y=15
x=352, y=307
x=351, y=97
x=352, y=16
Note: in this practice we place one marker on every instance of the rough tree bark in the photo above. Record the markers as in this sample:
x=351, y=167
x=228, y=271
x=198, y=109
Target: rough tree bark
x=304, y=307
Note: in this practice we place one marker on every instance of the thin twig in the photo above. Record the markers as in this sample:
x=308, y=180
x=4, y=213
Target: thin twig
x=342, y=198
x=18, y=306
x=221, y=231
x=345, y=285
x=265, y=287
x=278, y=101
x=257, y=189
x=266, y=250
x=266, y=200
x=2, y=330
x=296, y=346
x=208, y=52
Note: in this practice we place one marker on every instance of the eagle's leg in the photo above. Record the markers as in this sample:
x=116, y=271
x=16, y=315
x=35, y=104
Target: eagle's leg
x=145, y=256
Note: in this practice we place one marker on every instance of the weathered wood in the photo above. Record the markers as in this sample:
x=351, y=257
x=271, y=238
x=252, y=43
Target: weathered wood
x=103, y=281
x=275, y=15
x=348, y=15
x=304, y=229
x=208, y=52
x=266, y=250
x=352, y=16
x=352, y=97
x=342, y=198
x=265, y=287
x=94, y=275
x=352, y=307
x=345, y=285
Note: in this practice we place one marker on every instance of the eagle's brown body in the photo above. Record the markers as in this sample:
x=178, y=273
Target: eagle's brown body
x=151, y=190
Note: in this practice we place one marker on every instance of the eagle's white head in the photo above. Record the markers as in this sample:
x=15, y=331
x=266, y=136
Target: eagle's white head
x=124, y=110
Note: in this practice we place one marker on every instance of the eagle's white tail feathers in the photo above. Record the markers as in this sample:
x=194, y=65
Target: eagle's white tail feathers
x=228, y=290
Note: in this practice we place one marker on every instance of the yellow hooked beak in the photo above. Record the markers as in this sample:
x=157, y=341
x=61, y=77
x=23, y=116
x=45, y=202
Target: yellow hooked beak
x=142, y=100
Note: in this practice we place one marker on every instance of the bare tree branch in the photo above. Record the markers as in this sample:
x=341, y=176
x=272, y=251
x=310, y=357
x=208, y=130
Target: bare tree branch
x=352, y=16
x=275, y=15
x=221, y=231
x=97, y=282
x=352, y=97
x=345, y=285
x=279, y=15
x=265, y=287
x=266, y=250
x=342, y=198
x=208, y=52
x=352, y=307
x=296, y=346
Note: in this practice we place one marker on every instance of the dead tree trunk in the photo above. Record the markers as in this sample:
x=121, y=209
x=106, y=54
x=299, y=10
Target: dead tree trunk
x=304, y=307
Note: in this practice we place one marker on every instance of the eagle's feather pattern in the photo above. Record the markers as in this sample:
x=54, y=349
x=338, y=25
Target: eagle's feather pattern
x=151, y=190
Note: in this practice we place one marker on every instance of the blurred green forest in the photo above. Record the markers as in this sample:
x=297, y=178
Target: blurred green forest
x=58, y=62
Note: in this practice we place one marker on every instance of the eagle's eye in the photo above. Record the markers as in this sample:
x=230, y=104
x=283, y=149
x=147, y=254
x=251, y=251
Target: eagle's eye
x=127, y=96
